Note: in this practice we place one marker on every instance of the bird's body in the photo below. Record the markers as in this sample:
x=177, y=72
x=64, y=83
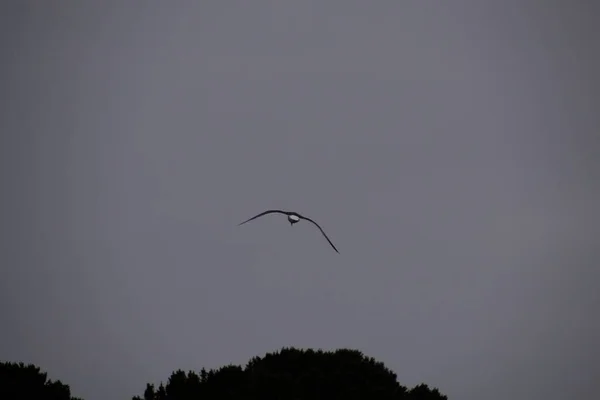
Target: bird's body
x=292, y=219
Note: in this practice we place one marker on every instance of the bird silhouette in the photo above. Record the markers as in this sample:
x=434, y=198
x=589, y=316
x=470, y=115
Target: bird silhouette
x=293, y=218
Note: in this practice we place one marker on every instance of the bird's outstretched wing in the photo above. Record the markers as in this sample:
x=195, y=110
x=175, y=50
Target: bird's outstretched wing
x=263, y=213
x=322, y=231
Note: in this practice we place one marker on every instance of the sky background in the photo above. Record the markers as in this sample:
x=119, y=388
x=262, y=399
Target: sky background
x=449, y=150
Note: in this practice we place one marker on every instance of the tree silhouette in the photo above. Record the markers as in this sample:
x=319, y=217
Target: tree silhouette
x=293, y=374
x=20, y=381
x=287, y=374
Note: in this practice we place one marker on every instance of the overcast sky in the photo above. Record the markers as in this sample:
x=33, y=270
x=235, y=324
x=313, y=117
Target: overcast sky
x=448, y=148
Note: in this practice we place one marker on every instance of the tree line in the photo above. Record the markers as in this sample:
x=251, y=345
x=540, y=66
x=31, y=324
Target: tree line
x=20, y=381
x=286, y=374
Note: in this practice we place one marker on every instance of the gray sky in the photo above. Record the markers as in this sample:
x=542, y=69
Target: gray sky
x=449, y=149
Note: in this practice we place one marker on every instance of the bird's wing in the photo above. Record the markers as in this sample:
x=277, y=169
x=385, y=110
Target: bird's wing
x=261, y=214
x=322, y=231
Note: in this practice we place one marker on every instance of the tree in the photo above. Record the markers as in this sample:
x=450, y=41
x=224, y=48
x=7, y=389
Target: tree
x=287, y=374
x=294, y=374
x=20, y=381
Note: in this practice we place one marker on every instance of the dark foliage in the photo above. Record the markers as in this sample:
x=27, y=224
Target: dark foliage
x=288, y=374
x=292, y=374
x=20, y=381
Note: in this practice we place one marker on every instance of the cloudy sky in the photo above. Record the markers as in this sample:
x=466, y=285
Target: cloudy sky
x=449, y=149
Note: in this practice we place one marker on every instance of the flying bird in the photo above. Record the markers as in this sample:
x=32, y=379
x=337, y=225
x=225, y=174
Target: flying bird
x=292, y=218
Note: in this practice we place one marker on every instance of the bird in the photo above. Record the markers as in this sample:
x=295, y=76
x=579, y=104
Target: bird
x=293, y=218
